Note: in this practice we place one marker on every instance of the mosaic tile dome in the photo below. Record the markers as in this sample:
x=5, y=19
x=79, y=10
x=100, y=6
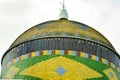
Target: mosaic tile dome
x=63, y=27
x=61, y=50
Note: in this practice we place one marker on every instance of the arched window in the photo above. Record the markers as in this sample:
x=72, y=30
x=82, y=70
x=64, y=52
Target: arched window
x=55, y=43
x=49, y=44
x=39, y=44
x=98, y=51
x=61, y=44
x=52, y=43
x=58, y=42
x=22, y=49
x=116, y=60
x=90, y=48
x=86, y=47
x=112, y=57
x=83, y=46
x=102, y=51
x=9, y=57
x=15, y=51
x=11, y=54
x=109, y=57
x=95, y=49
x=28, y=47
x=44, y=43
x=72, y=44
x=34, y=45
x=75, y=44
x=80, y=44
x=46, y=46
x=25, y=48
x=14, y=54
x=105, y=53
x=66, y=44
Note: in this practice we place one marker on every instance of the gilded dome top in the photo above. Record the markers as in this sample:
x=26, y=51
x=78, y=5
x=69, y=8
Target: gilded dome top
x=62, y=28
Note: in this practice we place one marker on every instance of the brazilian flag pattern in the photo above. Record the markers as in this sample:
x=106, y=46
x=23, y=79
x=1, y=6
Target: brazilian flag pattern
x=60, y=65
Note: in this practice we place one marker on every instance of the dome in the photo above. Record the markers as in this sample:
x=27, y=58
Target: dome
x=62, y=28
x=61, y=50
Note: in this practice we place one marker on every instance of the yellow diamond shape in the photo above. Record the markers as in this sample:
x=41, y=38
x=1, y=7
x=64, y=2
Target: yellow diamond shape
x=111, y=74
x=74, y=70
x=11, y=72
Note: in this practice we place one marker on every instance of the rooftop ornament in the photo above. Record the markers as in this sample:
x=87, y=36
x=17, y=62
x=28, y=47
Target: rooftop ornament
x=63, y=12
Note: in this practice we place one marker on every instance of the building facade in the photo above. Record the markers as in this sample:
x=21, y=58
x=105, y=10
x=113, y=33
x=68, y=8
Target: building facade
x=61, y=50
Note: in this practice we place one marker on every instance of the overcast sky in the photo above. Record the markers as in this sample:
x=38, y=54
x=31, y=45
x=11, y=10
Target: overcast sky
x=16, y=16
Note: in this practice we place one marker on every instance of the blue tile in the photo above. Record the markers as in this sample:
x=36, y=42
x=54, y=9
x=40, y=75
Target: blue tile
x=106, y=61
x=74, y=53
x=49, y=52
x=60, y=71
x=86, y=55
x=97, y=58
x=63, y=33
x=26, y=56
x=76, y=35
x=88, y=37
x=62, y=52
x=111, y=74
x=37, y=53
x=17, y=59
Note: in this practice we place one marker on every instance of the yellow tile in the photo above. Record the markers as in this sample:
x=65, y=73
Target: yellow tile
x=57, y=51
x=93, y=57
x=118, y=69
x=112, y=65
x=82, y=54
x=14, y=60
x=33, y=54
x=69, y=52
x=45, y=52
x=103, y=60
x=22, y=57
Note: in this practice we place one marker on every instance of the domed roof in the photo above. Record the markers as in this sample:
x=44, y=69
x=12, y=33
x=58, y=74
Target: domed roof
x=62, y=28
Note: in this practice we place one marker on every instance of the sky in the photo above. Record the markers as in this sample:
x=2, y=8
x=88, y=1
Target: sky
x=16, y=16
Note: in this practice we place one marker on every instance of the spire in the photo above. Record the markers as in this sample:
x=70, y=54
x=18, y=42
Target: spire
x=63, y=12
x=63, y=4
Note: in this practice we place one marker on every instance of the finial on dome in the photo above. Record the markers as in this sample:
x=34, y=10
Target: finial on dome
x=63, y=12
x=63, y=4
